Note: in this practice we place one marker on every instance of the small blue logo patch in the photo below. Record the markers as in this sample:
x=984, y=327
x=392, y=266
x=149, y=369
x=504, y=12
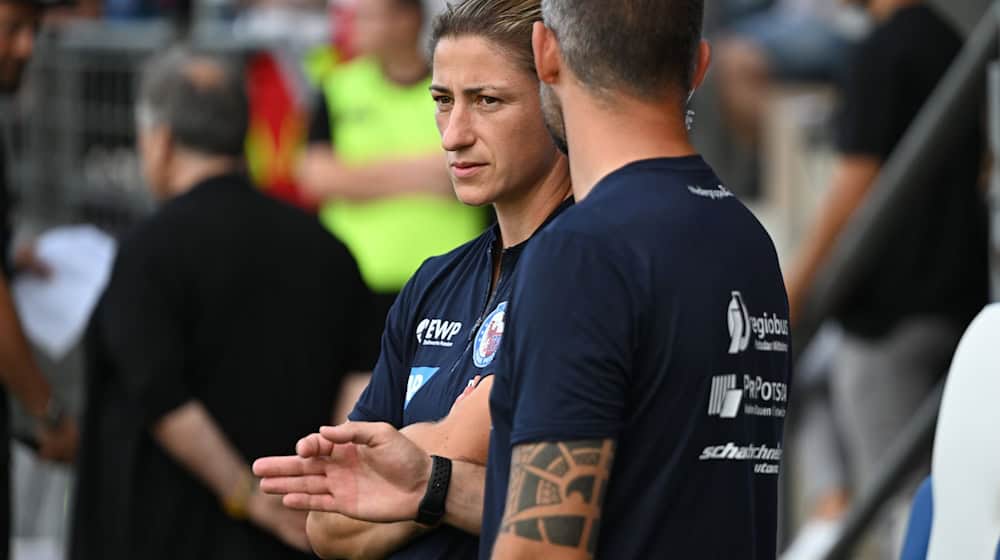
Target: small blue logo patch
x=489, y=336
x=419, y=376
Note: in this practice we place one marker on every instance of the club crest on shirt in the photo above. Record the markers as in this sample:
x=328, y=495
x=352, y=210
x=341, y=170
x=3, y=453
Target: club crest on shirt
x=489, y=336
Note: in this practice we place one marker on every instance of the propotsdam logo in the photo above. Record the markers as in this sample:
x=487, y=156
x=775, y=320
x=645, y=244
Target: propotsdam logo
x=489, y=336
x=758, y=397
x=742, y=326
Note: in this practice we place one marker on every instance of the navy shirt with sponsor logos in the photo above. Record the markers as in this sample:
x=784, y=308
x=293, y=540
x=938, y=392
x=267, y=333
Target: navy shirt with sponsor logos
x=444, y=329
x=652, y=313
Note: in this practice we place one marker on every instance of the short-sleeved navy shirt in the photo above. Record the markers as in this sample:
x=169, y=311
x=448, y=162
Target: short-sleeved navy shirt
x=444, y=329
x=653, y=313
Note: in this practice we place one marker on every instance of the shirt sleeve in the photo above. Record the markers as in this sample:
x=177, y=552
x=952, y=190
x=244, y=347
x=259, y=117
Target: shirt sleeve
x=143, y=326
x=870, y=94
x=382, y=400
x=320, y=131
x=573, y=329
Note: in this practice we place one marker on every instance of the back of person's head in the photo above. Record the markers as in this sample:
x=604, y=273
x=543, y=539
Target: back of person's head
x=200, y=97
x=641, y=47
x=505, y=23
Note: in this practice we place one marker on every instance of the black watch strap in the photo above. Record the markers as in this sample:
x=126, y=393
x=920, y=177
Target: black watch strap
x=54, y=414
x=431, y=509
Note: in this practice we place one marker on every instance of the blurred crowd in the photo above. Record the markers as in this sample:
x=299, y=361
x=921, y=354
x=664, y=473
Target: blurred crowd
x=274, y=311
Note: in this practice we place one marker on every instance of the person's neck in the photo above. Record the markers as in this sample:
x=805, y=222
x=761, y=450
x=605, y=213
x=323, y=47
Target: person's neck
x=882, y=10
x=190, y=170
x=404, y=66
x=604, y=139
x=519, y=219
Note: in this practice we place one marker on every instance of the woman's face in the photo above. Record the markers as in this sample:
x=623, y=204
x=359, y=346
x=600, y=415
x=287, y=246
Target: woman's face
x=490, y=119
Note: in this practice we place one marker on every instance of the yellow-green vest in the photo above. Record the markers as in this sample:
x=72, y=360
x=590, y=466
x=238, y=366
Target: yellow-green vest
x=372, y=119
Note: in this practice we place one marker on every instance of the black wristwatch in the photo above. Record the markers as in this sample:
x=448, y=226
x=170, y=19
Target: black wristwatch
x=431, y=509
x=54, y=414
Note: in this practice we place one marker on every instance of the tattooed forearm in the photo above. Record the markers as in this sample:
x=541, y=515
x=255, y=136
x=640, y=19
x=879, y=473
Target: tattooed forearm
x=556, y=492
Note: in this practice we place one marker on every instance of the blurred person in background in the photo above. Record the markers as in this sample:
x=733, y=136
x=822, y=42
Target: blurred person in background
x=446, y=329
x=224, y=333
x=804, y=41
x=903, y=319
x=19, y=373
x=374, y=155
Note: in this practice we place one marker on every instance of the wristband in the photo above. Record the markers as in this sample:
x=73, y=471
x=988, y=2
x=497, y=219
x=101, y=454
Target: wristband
x=235, y=503
x=54, y=414
x=431, y=509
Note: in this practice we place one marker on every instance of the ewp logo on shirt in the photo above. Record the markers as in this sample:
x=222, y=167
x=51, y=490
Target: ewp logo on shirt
x=419, y=376
x=438, y=332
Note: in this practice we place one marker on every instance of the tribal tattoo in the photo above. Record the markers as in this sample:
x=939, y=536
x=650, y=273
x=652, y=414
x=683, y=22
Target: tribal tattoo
x=556, y=492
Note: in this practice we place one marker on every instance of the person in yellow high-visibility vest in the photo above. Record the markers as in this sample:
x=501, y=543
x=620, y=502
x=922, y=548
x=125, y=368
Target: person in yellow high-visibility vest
x=375, y=159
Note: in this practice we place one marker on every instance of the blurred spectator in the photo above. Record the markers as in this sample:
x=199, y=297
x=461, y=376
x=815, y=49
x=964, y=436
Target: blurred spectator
x=794, y=41
x=903, y=320
x=225, y=333
x=19, y=20
x=375, y=155
x=724, y=13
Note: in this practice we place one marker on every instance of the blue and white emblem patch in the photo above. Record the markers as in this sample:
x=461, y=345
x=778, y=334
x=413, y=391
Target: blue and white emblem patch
x=419, y=376
x=489, y=336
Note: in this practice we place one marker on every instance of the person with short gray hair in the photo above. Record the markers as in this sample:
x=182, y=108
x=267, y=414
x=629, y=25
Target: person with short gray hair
x=638, y=407
x=195, y=103
x=227, y=328
x=202, y=99
x=643, y=48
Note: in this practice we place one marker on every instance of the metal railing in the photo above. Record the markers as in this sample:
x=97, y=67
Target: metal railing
x=994, y=137
x=73, y=143
x=955, y=106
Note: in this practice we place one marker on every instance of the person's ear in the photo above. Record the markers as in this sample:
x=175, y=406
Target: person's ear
x=548, y=57
x=158, y=153
x=162, y=144
x=702, y=61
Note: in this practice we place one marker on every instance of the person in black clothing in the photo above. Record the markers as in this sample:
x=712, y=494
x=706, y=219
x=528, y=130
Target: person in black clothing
x=19, y=373
x=903, y=319
x=224, y=333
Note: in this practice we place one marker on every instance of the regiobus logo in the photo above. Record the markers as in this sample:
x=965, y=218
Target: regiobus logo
x=764, y=329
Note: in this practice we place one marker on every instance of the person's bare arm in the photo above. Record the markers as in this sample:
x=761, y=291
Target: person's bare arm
x=462, y=435
x=191, y=437
x=852, y=179
x=18, y=370
x=350, y=390
x=554, y=500
x=20, y=374
x=322, y=176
